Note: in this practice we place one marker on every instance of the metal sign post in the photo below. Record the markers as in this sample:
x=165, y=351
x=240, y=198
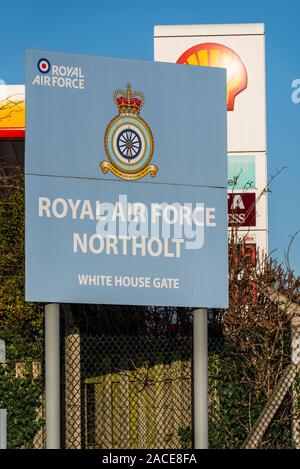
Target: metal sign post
x=200, y=360
x=52, y=366
x=2, y=351
x=3, y=428
x=3, y=412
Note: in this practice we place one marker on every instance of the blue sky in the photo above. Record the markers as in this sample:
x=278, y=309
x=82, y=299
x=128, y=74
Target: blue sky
x=125, y=29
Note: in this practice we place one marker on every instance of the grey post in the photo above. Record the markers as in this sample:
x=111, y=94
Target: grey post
x=52, y=372
x=2, y=351
x=3, y=412
x=200, y=360
x=3, y=428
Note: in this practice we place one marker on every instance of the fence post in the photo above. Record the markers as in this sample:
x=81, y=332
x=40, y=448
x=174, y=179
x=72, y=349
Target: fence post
x=52, y=375
x=2, y=351
x=3, y=412
x=3, y=428
x=72, y=382
x=295, y=387
x=200, y=370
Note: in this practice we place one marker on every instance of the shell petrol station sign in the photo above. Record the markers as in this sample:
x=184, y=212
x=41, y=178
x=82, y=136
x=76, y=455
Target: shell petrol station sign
x=240, y=49
x=12, y=111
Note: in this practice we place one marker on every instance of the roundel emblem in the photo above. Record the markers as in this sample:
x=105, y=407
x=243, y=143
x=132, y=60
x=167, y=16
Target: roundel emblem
x=128, y=139
x=44, y=65
x=129, y=143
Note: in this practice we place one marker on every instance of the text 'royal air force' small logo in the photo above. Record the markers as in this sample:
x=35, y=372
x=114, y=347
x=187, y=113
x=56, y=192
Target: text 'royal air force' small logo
x=43, y=65
x=128, y=139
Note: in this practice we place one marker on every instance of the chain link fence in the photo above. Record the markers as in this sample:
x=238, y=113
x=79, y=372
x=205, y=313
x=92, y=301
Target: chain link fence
x=136, y=392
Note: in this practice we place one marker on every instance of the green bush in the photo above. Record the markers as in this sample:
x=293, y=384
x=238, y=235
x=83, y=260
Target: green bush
x=21, y=398
x=21, y=323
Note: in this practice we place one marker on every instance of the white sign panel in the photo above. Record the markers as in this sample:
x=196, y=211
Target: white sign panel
x=240, y=49
x=259, y=239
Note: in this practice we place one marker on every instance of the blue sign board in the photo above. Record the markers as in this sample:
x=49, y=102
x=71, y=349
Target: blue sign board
x=126, y=177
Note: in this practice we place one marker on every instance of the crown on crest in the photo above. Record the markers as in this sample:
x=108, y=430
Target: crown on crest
x=129, y=102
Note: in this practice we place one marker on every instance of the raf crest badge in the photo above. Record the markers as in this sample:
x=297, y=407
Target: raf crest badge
x=128, y=139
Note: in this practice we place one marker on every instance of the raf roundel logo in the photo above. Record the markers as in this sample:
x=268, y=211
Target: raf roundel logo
x=128, y=139
x=43, y=65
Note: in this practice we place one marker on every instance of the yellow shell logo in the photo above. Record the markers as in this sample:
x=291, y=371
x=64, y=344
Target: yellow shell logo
x=211, y=54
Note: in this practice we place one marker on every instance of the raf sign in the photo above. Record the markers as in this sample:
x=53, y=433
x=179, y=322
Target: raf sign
x=123, y=202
